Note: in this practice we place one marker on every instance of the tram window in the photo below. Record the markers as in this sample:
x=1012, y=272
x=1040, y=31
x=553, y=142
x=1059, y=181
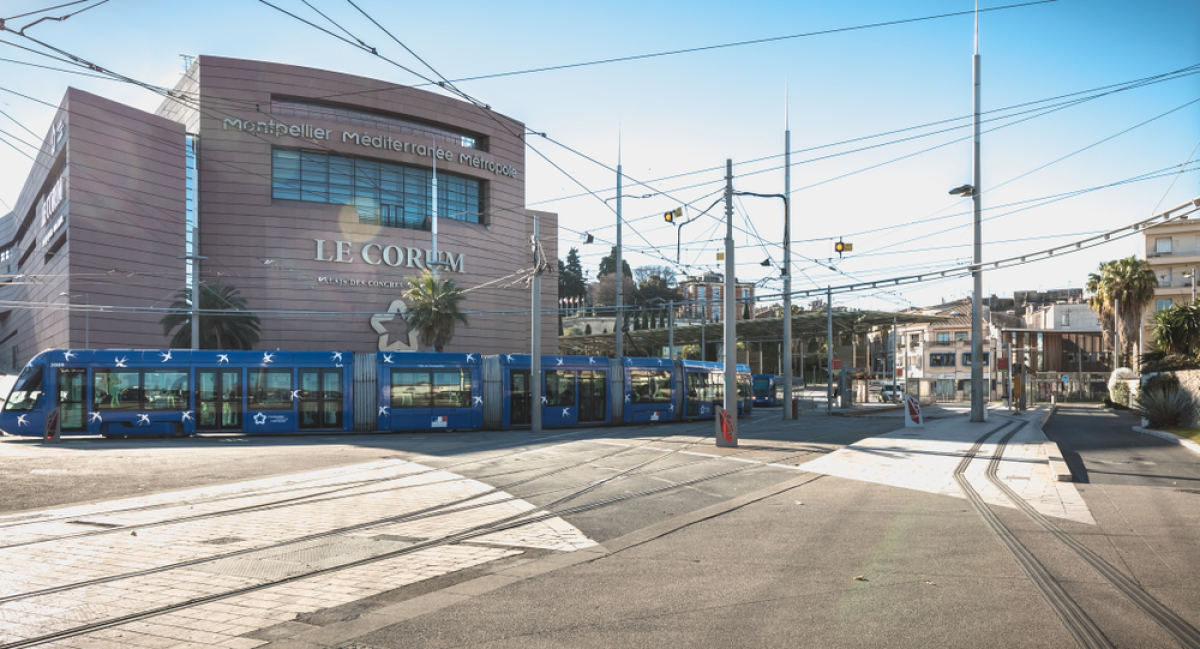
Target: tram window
x=166, y=390
x=27, y=394
x=650, y=387
x=560, y=388
x=452, y=388
x=410, y=389
x=270, y=389
x=117, y=389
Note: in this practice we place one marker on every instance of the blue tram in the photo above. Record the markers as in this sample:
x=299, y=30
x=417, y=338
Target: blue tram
x=764, y=390
x=118, y=393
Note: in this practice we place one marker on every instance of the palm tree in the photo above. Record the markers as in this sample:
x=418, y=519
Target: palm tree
x=1177, y=329
x=433, y=308
x=237, y=329
x=1125, y=286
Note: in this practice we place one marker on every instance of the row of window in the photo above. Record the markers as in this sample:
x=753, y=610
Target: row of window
x=947, y=360
x=353, y=117
x=384, y=193
x=448, y=388
x=944, y=336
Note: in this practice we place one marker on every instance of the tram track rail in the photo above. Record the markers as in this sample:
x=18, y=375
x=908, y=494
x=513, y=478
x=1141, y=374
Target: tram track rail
x=1183, y=632
x=442, y=509
x=506, y=523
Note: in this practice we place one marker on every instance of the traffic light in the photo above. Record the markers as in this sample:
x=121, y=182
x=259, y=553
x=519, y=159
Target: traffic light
x=670, y=217
x=842, y=246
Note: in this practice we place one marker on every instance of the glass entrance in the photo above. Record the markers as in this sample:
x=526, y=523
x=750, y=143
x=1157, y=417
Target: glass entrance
x=218, y=399
x=71, y=382
x=592, y=391
x=321, y=398
x=518, y=398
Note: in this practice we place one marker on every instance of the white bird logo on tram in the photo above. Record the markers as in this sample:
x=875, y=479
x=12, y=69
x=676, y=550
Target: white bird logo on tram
x=95, y=416
x=22, y=421
x=383, y=412
x=165, y=357
x=121, y=362
x=566, y=412
x=267, y=358
x=470, y=357
x=222, y=358
x=477, y=400
x=337, y=356
x=559, y=361
x=143, y=418
x=67, y=355
x=295, y=394
x=187, y=416
x=508, y=357
x=387, y=358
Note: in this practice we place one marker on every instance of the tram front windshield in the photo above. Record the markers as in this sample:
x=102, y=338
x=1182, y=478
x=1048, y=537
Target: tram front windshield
x=762, y=386
x=27, y=392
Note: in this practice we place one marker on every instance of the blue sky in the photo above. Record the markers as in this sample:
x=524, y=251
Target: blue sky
x=689, y=112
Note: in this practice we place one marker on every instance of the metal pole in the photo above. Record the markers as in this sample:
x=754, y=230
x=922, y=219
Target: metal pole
x=829, y=350
x=1193, y=285
x=434, y=211
x=730, y=314
x=535, y=356
x=703, y=328
x=787, y=271
x=1116, y=333
x=196, y=281
x=671, y=329
x=977, y=404
x=619, y=344
x=895, y=359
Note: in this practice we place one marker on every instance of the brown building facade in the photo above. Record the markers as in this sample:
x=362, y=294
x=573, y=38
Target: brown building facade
x=313, y=195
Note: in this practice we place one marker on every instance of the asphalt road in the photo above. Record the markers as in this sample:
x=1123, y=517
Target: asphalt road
x=1102, y=448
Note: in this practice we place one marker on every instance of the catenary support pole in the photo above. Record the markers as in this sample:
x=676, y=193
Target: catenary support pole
x=619, y=272
x=829, y=350
x=977, y=397
x=535, y=354
x=671, y=329
x=1116, y=333
x=787, y=267
x=730, y=312
x=433, y=211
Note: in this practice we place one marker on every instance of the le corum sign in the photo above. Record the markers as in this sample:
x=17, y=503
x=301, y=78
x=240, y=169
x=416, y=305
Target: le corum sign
x=377, y=254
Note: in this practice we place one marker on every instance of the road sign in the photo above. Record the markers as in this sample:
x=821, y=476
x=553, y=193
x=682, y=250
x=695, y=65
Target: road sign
x=1066, y=379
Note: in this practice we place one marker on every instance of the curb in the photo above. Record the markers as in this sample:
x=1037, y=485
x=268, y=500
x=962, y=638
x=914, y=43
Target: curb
x=1170, y=437
x=1059, y=471
x=870, y=411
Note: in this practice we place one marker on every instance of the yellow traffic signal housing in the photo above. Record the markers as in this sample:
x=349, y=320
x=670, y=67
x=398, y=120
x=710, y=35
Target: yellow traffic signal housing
x=842, y=246
x=670, y=217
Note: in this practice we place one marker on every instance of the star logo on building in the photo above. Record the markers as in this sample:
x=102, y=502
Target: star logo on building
x=295, y=394
x=559, y=361
x=260, y=419
x=22, y=420
x=383, y=412
x=165, y=357
x=267, y=358
x=470, y=358
x=566, y=412
x=67, y=355
x=95, y=416
x=337, y=357
x=544, y=402
x=222, y=358
x=508, y=357
x=187, y=416
x=142, y=419
x=387, y=358
x=121, y=361
x=477, y=401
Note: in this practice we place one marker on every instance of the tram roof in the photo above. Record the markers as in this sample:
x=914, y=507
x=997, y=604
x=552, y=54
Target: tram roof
x=804, y=325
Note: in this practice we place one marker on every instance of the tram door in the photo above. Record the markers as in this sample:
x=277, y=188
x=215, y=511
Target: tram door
x=321, y=398
x=592, y=391
x=219, y=399
x=518, y=398
x=71, y=401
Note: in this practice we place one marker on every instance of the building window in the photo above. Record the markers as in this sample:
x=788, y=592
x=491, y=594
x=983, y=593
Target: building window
x=943, y=336
x=961, y=335
x=941, y=360
x=1162, y=304
x=387, y=194
x=716, y=292
x=1162, y=245
x=1066, y=320
x=914, y=339
x=967, y=359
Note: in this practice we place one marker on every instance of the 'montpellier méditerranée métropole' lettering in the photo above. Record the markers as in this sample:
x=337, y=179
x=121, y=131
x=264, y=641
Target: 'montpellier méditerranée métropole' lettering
x=278, y=129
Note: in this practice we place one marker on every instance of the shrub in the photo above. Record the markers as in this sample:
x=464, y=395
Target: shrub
x=1161, y=382
x=1165, y=407
x=1161, y=362
x=1120, y=393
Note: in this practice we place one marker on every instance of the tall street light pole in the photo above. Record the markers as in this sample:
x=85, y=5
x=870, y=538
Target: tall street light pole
x=977, y=403
x=787, y=265
x=618, y=323
x=730, y=315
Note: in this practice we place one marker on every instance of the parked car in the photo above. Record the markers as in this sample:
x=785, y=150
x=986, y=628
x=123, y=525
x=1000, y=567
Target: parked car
x=891, y=392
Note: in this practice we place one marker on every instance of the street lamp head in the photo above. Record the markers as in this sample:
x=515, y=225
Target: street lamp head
x=766, y=263
x=965, y=190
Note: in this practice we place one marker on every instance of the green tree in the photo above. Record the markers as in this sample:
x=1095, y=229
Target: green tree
x=608, y=265
x=433, y=308
x=1176, y=329
x=1123, y=287
x=236, y=328
x=570, y=276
